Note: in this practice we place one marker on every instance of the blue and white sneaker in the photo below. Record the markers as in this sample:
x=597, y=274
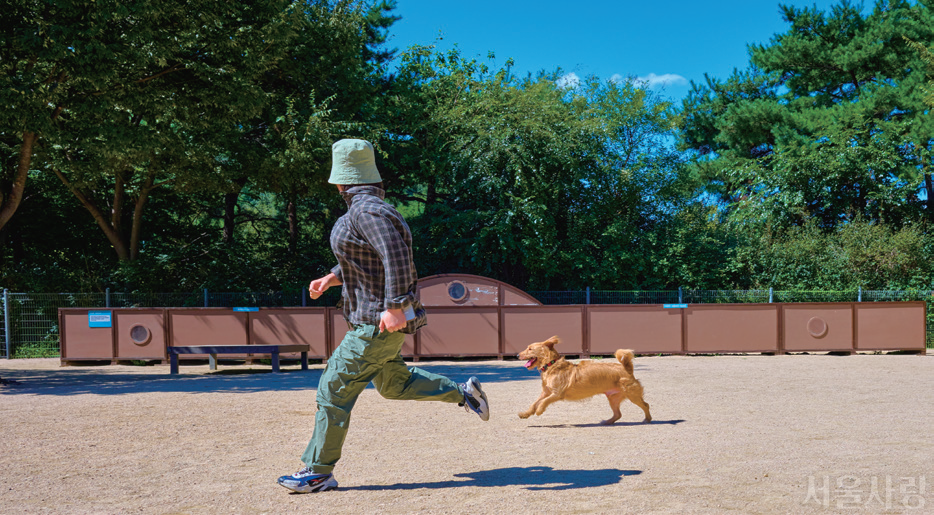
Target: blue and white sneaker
x=475, y=399
x=306, y=481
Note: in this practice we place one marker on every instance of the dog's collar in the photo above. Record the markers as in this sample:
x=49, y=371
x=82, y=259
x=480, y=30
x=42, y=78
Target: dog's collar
x=545, y=367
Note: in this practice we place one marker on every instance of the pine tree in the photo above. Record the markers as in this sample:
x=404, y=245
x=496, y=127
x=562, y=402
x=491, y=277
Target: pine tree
x=828, y=121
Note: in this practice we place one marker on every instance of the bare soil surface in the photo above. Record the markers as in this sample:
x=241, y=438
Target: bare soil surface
x=741, y=434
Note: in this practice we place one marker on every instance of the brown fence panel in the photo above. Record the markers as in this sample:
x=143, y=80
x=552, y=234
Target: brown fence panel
x=207, y=326
x=817, y=327
x=523, y=325
x=646, y=329
x=338, y=328
x=500, y=330
x=84, y=342
x=290, y=326
x=140, y=333
x=462, y=331
x=891, y=326
x=713, y=328
x=408, y=347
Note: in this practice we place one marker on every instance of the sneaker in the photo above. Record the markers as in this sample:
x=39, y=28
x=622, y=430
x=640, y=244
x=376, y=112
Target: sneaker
x=475, y=399
x=306, y=481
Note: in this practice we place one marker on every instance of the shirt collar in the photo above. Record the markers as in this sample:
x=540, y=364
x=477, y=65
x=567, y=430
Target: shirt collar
x=362, y=190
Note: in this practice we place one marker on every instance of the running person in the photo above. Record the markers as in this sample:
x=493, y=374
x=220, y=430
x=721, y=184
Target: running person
x=373, y=247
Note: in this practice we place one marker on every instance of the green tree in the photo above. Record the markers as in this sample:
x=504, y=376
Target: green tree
x=854, y=255
x=827, y=122
x=927, y=55
x=324, y=88
x=117, y=93
x=519, y=179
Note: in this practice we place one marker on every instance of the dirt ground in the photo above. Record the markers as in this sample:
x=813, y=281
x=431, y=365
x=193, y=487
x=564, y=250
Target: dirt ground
x=743, y=434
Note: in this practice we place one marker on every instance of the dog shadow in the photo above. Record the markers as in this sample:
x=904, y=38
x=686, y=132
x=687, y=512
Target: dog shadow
x=532, y=478
x=617, y=424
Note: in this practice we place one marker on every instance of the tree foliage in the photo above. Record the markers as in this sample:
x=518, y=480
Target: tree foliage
x=521, y=180
x=166, y=146
x=828, y=122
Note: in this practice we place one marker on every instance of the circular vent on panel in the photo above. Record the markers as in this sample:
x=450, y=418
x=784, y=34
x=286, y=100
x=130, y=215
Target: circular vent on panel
x=140, y=334
x=817, y=327
x=457, y=291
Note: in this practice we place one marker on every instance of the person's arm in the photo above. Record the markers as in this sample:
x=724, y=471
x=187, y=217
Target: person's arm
x=392, y=320
x=318, y=286
x=385, y=233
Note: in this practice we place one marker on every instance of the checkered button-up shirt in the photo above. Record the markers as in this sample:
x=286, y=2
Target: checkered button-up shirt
x=373, y=247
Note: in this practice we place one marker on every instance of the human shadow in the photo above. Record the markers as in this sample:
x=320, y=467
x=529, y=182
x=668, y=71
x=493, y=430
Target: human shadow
x=532, y=478
x=105, y=380
x=485, y=371
x=616, y=424
x=99, y=381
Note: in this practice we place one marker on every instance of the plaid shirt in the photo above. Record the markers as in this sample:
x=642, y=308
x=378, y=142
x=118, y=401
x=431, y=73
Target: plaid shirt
x=373, y=247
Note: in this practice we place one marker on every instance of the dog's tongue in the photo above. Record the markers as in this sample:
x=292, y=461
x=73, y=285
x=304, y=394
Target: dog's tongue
x=529, y=363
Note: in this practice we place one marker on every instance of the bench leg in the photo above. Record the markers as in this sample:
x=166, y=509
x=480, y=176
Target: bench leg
x=212, y=360
x=275, y=362
x=173, y=363
x=304, y=361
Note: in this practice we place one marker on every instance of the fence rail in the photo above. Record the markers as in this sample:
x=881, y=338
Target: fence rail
x=30, y=320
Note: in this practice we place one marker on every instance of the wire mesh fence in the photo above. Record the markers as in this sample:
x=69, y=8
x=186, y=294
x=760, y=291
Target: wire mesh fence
x=155, y=300
x=726, y=296
x=30, y=320
x=4, y=341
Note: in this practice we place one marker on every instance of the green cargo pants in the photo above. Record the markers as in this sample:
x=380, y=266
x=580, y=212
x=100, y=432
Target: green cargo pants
x=366, y=355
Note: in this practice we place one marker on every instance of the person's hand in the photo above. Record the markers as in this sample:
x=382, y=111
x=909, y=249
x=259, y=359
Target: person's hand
x=318, y=286
x=392, y=320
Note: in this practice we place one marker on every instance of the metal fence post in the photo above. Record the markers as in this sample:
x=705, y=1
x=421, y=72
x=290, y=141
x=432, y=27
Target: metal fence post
x=770, y=295
x=859, y=297
x=205, y=297
x=107, y=298
x=587, y=297
x=680, y=296
x=6, y=323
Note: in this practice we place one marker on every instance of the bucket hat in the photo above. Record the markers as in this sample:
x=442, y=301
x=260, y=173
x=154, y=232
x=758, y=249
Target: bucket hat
x=353, y=162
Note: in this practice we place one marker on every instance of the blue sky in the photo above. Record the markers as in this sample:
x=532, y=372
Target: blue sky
x=663, y=41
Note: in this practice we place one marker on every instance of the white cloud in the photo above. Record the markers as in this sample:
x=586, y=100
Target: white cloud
x=569, y=81
x=669, y=79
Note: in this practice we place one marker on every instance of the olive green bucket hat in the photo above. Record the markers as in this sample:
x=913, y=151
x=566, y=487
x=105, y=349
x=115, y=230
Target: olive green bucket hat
x=353, y=162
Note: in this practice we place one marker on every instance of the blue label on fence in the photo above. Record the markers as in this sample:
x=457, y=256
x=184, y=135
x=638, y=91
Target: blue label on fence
x=246, y=309
x=99, y=319
x=675, y=306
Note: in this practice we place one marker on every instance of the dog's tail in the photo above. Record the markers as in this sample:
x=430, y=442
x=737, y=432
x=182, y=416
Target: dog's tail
x=625, y=357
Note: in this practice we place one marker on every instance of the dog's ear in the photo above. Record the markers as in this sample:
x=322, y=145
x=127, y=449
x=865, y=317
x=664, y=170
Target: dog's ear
x=551, y=342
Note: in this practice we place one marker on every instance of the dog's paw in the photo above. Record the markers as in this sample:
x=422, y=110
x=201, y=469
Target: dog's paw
x=525, y=415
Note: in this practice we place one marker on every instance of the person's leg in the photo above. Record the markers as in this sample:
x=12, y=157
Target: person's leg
x=399, y=382
x=352, y=366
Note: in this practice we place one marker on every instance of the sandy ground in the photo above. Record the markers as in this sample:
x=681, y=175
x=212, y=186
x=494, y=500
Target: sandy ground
x=740, y=434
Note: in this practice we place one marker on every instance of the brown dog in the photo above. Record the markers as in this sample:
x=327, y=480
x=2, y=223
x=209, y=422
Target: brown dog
x=563, y=380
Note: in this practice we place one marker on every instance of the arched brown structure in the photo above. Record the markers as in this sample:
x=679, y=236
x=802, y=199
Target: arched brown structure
x=471, y=315
x=457, y=290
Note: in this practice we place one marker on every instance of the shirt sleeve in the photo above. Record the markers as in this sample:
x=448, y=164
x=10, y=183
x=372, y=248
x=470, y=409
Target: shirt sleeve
x=385, y=232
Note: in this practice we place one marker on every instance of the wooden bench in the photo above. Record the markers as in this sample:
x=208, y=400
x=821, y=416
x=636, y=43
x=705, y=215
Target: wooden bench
x=214, y=350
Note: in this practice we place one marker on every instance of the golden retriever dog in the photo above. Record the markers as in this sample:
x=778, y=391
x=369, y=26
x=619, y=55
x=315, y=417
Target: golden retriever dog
x=563, y=380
